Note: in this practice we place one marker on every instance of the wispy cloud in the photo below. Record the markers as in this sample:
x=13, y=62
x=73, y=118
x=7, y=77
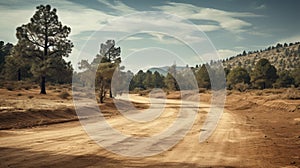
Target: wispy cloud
x=119, y=7
x=225, y=53
x=226, y=20
x=262, y=6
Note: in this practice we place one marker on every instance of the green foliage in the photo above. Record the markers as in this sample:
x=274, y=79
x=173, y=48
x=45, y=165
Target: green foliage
x=104, y=65
x=64, y=95
x=264, y=74
x=138, y=80
x=42, y=43
x=202, y=77
x=148, y=81
x=16, y=69
x=170, y=80
x=285, y=79
x=158, y=80
x=242, y=87
x=5, y=50
x=237, y=75
x=296, y=76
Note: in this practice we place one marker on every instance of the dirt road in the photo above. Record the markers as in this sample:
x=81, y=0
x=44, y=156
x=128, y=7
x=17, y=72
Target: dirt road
x=67, y=144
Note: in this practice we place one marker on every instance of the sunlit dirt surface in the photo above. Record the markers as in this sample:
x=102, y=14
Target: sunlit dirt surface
x=255, y=131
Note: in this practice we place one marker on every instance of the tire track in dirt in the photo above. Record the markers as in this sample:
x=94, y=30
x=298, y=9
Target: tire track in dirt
x=67, y=144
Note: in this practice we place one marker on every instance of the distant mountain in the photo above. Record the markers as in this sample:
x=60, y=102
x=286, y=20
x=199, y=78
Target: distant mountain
x=282, y=56
x=164, y=70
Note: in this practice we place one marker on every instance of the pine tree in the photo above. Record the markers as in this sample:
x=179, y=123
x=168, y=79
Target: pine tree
x=284, y=79
x=44, y=41
x=148, y=81
x=170, y=79
x=237, y=75
x=107, y=62
x=138, y=80
x=5, y=50
x=296, y=76
x=264, y=74
x=158, y=80
x=202, y=77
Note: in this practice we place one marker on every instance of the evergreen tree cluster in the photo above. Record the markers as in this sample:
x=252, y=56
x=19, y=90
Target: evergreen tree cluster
x=264, y=75
x=38, y=54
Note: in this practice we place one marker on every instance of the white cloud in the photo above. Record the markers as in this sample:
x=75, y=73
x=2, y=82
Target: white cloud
x=225, y=53
x=158, y=25
x=218, y=55
x=262, y=6
x=79, y=18
x=82, y=19
x=10, y=20
x=133, y=38
x=226, y=20
x=208, y=28
x=118, y=7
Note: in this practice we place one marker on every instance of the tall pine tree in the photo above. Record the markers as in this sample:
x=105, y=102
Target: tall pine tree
x=44, y=41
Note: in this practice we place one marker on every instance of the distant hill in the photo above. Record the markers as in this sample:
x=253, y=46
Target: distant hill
x=164, y=70
x=282, y=56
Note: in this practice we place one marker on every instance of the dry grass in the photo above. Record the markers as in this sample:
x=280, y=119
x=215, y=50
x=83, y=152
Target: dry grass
x=64, y=95
x=292, y=93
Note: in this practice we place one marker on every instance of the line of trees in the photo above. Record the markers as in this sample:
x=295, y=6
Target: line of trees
x=263, y=76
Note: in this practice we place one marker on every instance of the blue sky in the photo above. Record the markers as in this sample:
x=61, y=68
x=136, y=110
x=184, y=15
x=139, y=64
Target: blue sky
x=228, y=26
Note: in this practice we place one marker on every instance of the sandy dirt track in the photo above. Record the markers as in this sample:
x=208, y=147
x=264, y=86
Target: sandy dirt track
x=67, y=144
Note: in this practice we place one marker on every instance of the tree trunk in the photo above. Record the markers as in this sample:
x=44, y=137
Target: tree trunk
x=19, y=74
x=110, y=93
x=101, y=99
x=43, y=80
x=43, y=85
x=101, y=94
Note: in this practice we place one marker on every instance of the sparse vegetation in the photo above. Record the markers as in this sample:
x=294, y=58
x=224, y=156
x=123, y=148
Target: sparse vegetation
x=292, y=93
x=283, y=57
x=242, y=87
x=64, y=95
x=10, y=87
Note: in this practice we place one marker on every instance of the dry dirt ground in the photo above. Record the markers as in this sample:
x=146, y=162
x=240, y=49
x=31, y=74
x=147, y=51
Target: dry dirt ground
x=256, y=130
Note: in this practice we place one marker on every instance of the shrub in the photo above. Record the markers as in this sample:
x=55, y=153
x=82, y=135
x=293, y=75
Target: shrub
x=19, y=94
x=27, y=87
x=51, y=88
x=292, y=93
x=242, y=87
x=57, y=91
x=259, y=93
x=202, y=90
x=10, y=87
x=30, y=97
x=64, y=95
x=228, y=92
